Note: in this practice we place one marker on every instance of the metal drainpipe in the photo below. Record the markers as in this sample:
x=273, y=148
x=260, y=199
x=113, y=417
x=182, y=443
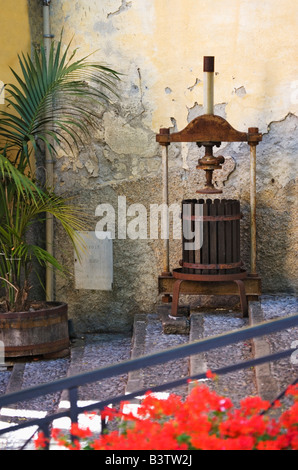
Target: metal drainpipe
x=47, y=37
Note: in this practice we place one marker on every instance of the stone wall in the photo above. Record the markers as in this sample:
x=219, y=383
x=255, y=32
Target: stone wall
x=159, y=46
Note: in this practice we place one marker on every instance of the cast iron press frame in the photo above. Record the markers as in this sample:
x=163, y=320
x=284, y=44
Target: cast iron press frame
x=211, y=130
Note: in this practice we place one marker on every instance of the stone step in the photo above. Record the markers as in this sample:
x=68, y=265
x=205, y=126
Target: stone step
x=274, y=377
x=266, y=380
x=152, y=334
x=237, y=384
x=150, y=337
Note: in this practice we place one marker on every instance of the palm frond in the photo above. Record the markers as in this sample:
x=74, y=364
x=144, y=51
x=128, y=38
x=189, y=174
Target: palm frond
x=53, y=101
x=20, y=183
x=47, y=99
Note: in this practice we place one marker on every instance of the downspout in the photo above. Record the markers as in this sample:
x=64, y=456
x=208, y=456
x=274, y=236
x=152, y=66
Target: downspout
x=47, y=39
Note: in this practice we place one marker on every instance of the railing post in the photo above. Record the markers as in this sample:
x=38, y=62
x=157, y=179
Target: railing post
x=45, y=428
x=74, y=410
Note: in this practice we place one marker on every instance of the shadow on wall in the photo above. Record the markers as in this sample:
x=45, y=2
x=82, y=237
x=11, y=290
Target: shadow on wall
x=277, y=206
x=276, y=249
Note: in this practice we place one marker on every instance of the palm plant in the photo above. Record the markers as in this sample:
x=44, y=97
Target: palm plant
x=53, y=102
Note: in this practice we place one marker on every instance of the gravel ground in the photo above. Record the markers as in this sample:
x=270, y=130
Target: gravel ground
x=104, y=349
x=284, y=371
x=157, y=341
x=38, y=372
x=237, y=384
x=4, y=379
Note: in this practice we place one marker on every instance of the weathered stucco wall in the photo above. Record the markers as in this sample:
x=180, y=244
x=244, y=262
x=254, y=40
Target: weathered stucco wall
x=159, y=47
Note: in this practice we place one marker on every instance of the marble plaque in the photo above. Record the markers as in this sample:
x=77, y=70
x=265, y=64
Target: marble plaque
x=94, y=269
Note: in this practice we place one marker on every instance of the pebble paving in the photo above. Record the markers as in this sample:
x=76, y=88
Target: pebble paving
x=104, y=349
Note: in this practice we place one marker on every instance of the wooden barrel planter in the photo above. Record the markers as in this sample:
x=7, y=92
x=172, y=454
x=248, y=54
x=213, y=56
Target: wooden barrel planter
x=40, y=332
x=217, y=257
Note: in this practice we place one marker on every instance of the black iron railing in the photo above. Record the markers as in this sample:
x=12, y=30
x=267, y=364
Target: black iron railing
x=73, y=383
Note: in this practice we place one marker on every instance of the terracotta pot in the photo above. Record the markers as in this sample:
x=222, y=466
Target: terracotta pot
x=40, y=332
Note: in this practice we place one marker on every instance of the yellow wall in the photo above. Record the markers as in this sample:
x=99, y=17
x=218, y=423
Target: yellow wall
x=254, y=43
x=255, y=47
x=14, y=36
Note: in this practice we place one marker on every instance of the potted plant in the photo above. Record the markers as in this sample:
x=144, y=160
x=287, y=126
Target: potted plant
x=53, y=105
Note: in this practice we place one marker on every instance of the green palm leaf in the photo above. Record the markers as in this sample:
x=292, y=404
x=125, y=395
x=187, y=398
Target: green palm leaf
x=53, y=102
x=16, y=181
x=50, y=92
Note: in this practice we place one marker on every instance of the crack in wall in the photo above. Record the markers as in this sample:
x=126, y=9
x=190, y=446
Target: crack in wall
x=141, y=99
x=197, y=82
x=123, y=7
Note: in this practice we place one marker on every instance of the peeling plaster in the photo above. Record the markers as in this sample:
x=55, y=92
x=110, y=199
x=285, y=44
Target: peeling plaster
x=138, y=89
x=122, y=138
x=240, y=91
x=196, y=83
x=184, y=153
x=123, y=7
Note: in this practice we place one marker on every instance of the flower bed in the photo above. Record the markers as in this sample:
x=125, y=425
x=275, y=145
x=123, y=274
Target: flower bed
x=205, y=420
